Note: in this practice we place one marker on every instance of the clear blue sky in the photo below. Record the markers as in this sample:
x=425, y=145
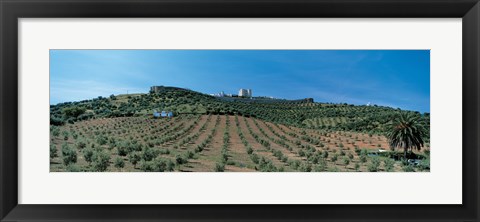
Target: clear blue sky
x=395, y=78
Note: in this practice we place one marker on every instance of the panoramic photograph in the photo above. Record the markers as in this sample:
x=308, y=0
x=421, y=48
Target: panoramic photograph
x=240, y=111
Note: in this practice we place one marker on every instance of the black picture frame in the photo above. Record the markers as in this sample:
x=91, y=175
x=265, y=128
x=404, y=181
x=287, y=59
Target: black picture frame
x=12, y=10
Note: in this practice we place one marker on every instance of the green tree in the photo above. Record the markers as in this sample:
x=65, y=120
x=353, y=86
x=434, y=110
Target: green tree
x=134, y=158
x=389, y=164
x=101, y=161
x=53, y=151
x=406, y=131
x=88, y=154
x=69, y=155
x=346, y=161
x=119, y=163
x=219, y=167
x=73, y=111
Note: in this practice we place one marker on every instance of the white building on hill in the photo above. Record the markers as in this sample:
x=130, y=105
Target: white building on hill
x=245, y=93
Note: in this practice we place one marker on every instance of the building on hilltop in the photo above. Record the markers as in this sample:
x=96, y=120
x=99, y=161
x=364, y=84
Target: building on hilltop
x=156, y=89
x=159, y=89
x=245, y=93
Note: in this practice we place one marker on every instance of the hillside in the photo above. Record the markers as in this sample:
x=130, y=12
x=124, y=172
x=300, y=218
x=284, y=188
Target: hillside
x=206, y=143
x=299, y=113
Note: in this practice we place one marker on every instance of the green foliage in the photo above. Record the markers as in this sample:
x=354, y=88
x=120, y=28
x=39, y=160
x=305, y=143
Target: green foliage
x=162, y=165
x=363, y=158
x=219, y=167
x=407, y=131
x=119, y=163
x=146, y=166
x=73, y=168
x=55, y=131
x=334, y=158
x=80, y=145
x=292, y=137
x=65, y=135
x=134, y=158
x=53, y=151
x=424, y=164
x=249, y=150
x=149, y=154
x=180, y=159
x=389, y=164
x=374, y=165
x=101, y=140
x=346, y=161
x=350, y=156
x=88, y=155
x=301, y=113
x=69, y=155
x=101, y=161
x=321, y=166
x=408, y=168
x=72, y=112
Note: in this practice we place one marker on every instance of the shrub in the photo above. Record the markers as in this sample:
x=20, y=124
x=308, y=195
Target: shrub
x=350, y=156
x=159, y=165
x=224, y=156
x=255, y=158
x=69, y=155
x=321, y=166
x=408, y=168
x=119, y=163
x=80, y=145
x=134, y=158
x=305, y=167
x=219, y=167
x=149, y=154
x=180, y=160
x=334, y=169
x=334, y=158
x=363, y=158
x=88, y=154
x=55, y=131
x=146, y=166
x=424, y=164
x=73, y=112
x=122, y=150
x=65, y=135
x=73, y=168
x=101, y=140
x=364, y=152
x=249, y=150
x=53, y=151
x=346, y=161
x=325, y=154
x=164, y=151
x=389, y=163
x=357, y=150
x=357, y=167
x=373, y=166
x=301, y=153
x=189, y=154
x=170, y=165
x=101, y=161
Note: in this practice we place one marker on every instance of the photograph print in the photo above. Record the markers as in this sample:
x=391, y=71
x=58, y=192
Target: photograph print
x=314, y=111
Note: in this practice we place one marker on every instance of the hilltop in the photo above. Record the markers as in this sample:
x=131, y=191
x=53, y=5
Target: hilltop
x=302, y=113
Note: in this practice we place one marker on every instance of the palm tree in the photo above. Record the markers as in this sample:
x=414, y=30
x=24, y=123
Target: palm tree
x=406, y=131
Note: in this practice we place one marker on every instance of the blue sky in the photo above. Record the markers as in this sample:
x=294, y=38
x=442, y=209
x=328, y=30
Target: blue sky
x=395, y=78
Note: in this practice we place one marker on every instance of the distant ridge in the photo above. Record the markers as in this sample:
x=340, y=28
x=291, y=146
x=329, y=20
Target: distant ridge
x=301, y=112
